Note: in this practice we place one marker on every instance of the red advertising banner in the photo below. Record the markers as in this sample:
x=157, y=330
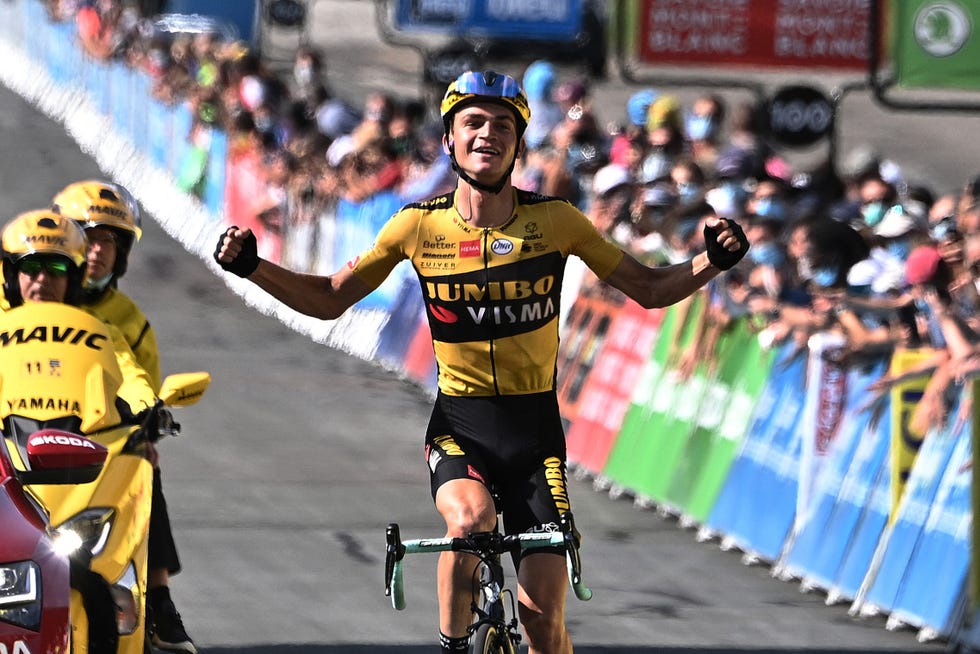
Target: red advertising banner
x=777, y=33
x=605, y=398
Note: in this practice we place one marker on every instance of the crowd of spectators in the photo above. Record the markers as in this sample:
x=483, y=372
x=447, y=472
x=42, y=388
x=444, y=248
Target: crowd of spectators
x=852, y=246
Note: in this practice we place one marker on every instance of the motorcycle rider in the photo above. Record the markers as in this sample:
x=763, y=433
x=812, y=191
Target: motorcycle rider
x=44, y=261
x=110, y=217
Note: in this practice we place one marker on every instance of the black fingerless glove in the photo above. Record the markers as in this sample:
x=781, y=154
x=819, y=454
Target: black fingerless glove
x=720, y=256
x=247, y=260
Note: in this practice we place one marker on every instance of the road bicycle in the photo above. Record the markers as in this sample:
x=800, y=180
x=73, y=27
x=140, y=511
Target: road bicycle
x=492, y=631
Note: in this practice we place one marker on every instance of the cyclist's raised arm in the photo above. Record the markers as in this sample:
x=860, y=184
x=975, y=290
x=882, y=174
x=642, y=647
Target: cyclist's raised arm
x=662, y=286
x=314, y=295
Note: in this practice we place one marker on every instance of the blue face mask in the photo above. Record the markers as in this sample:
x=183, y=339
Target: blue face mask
x=699, y=127
x=823, y=277
x=769, y=207
x=688, y=191
x=873, y=212
x=766, y=254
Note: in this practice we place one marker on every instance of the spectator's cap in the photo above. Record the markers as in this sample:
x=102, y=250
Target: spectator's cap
x=655, y=168
x=665, y=111
x=610, y=177
x=638, y=106
x=897, y=222
x=571, y=92
x=339, y=149
x=659, y=195
x=539, y=80
x=733, y=163
x=922, y=264
x=724, y=201
x=860, y=161
x=335, y=119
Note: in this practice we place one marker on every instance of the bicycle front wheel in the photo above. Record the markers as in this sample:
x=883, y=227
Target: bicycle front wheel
x=489, y=639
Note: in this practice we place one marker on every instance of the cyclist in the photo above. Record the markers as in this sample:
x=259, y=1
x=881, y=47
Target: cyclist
x=110, y=217
x=490, y=259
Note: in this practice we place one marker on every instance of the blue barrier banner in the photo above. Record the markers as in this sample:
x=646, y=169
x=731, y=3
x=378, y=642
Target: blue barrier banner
x=183, y=118
x=529, y=19
x=815, y=538
x=867, y=504
x=407, y=313
x=891, y=559
x=159, y=133
x=356, y=226
x=213, y=195
x=61, y=52
x=141, y=85
x=121, y=97
x=758, y=502
x=937, y=571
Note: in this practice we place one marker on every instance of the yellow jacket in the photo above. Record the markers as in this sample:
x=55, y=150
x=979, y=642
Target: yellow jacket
x=117, y=309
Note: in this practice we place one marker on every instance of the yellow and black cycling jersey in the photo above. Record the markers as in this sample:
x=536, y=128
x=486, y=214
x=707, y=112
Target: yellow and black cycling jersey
x=491, y=294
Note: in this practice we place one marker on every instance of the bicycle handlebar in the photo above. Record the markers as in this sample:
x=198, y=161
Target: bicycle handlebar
x=482, y=545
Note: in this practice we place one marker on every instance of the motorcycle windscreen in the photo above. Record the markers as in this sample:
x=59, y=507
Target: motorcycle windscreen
x=57, y=361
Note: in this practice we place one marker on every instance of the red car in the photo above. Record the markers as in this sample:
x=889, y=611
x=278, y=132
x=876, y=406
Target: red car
x=34, y=581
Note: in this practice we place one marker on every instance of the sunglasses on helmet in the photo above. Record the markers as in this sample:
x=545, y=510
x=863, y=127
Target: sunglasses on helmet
x=488, y=83
x=33, y=267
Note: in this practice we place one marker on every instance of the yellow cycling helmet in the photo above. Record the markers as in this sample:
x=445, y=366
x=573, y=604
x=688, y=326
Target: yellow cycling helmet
x=43, y=232
x=485, y=86
x=94, y=203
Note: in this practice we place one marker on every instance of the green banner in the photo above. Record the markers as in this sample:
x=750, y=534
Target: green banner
x=743, y=370
x=632, y=441
x=935, y=43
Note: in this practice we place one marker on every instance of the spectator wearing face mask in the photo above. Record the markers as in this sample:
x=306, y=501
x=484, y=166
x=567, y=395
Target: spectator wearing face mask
x=702, y=129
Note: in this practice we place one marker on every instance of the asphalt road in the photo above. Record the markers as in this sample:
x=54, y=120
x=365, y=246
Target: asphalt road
x=299, y=455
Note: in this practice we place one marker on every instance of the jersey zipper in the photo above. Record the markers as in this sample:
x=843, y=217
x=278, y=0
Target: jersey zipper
x=490, y=317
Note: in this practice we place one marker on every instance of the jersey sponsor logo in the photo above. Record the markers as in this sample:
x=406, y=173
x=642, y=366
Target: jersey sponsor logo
x=62, y=405
x=469, y=248
x=435, y=255
x=555, y=477
x=54, y=334
x=519, y=289
x=448, y=445
x=474, y=474
x=438, y=244
x=497, y=301
x=443, y=315
x=502, y=246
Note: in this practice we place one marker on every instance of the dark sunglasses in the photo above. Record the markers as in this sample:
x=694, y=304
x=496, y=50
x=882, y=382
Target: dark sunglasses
x=33, y=267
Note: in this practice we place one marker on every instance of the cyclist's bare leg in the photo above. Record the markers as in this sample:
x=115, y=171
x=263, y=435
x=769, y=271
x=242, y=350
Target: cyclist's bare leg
x=542, y=585
x=467, y=507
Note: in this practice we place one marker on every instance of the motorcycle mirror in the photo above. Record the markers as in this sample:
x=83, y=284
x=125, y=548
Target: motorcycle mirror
x=184, y=388
x=61, y=457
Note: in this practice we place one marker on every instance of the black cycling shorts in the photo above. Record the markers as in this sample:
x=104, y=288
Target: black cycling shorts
x=513, y=444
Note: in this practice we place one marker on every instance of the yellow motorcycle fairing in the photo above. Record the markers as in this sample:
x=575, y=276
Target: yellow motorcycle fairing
x=58, y=363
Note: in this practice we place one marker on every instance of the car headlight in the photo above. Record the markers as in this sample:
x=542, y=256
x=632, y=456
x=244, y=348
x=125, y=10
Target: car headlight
x=88, y=531
x=20, y=594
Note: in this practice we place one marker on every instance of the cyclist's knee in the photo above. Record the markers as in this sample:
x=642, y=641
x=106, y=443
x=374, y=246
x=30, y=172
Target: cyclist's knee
x=545, y=630
x=466, y=507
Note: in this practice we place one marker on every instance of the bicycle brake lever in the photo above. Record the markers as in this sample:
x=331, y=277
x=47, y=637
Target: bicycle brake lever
x=394, y=552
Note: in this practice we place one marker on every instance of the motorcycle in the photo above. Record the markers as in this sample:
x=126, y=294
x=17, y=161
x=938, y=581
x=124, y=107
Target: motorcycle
x=59, y=381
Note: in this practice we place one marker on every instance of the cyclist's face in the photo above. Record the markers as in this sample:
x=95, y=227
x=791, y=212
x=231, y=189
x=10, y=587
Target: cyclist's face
x=485, y=139
x=101, y=251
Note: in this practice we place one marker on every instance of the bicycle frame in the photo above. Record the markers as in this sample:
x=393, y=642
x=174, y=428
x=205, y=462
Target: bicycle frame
x=488, y=547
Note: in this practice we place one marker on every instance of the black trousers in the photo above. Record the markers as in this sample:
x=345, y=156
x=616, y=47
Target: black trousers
x=162, y=548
